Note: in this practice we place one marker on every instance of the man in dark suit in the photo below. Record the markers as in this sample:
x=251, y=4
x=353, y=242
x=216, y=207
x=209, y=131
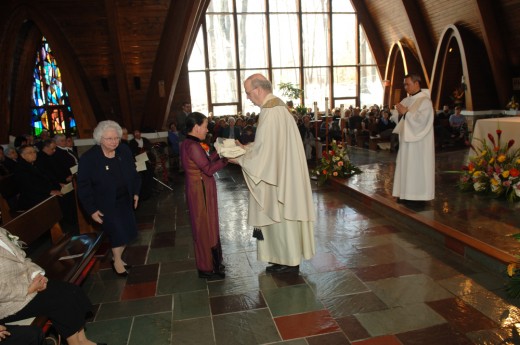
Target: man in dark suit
x=64, y=158
x=11, y=159
x=138, y=145
x=34, y=184
x=180, y=123
x=181, y=118
x=231, y=131
x=46, y=163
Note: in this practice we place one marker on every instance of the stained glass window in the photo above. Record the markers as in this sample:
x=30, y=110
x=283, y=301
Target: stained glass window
x=51, y=109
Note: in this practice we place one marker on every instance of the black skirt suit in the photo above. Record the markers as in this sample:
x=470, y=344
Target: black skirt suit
x=109, y=185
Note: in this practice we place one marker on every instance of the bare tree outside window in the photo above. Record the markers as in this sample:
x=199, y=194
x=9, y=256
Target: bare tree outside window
x=313, y=48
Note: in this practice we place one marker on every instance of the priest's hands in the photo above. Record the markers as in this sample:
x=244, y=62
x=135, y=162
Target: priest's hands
x=401, y=109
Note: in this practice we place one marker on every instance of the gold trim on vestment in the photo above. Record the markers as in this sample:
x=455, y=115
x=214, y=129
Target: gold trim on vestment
x=275, y=102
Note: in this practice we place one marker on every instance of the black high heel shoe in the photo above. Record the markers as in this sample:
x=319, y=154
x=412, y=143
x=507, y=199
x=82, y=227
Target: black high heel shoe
x=122, y=274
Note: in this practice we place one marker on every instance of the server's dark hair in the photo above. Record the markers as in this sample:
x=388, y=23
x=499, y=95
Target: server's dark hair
x=193, y=119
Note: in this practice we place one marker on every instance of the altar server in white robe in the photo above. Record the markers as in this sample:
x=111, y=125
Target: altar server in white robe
x=275, y=169
x=414, y=177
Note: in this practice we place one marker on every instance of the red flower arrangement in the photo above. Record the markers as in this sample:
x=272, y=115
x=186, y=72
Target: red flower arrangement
x=493, y=170
x=335, y=162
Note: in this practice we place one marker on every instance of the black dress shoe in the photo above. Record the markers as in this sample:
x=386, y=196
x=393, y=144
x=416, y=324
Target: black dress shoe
x=212, y=276
x=276, y=268
x=119, y=274
x=272, y=268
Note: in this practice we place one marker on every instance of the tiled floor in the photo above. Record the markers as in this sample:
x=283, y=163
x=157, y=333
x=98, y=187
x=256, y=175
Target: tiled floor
x=373, y=281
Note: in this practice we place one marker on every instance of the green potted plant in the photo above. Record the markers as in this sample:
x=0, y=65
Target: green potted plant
x=291, y=91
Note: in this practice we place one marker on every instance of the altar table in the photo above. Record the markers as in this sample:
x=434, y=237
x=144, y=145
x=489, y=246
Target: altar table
x=510, y=130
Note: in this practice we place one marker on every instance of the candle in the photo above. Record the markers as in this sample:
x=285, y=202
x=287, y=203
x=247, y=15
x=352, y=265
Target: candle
x=342, y=110
x=315, y=110
x=326, y=106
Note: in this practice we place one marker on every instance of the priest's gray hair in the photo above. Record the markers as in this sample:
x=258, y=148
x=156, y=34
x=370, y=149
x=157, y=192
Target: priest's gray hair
x=104, y=126
x=258, y=80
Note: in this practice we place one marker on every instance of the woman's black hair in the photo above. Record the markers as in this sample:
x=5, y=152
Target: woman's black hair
x=193, y=119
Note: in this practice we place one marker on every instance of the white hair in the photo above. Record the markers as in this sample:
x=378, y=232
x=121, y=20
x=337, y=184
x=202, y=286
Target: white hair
x=104, y=126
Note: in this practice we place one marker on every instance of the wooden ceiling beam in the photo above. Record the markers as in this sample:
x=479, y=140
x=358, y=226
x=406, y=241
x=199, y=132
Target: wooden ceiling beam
x=493, y=37
x=180, y=28
x=119, y=66
x=425, y=47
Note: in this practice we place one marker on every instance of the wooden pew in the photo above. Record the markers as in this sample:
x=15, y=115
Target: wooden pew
x=84, y=222
x=68, y=258
x=8, y=194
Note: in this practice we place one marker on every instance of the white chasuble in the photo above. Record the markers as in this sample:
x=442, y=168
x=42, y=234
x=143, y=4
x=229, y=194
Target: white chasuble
x=280, y=201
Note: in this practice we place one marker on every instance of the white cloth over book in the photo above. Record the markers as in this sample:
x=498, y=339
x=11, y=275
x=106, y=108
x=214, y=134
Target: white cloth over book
x=228, y=148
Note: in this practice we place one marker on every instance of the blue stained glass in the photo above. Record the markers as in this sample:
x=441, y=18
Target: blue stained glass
x=49, y=96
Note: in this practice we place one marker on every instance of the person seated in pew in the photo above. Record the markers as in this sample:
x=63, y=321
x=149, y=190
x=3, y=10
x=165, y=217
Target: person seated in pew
x=34, y=185
x=3, y=170
x=71, y=147
x=11, y=159
x=386, y=129
x=459, y=126
x=25, y=292
x=64, y=158
x=21, y=335
x=44, y=135
x=248, y=135
x=46, y=163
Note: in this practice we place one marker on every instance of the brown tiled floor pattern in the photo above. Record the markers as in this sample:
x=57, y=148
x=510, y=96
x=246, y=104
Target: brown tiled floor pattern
x=373, y=281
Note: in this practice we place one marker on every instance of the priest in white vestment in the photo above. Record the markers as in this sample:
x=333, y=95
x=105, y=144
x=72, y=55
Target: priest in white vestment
x=414, y=177
x=281, y=208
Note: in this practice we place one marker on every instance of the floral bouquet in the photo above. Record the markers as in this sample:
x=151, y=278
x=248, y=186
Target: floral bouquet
x=494, y=169
x=334, y=162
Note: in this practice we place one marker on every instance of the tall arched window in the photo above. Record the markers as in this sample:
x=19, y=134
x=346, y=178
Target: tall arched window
x=317, y=45
x=50, y=104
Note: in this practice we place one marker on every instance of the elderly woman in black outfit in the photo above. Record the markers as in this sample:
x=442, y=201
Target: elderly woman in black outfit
x=25, y=292
x=108, y=188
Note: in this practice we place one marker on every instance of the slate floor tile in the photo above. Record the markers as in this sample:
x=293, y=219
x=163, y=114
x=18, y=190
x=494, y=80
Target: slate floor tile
x=234, y=303
x=291, y=300
x=254, y=327
x=306, y=324
x=399, y=319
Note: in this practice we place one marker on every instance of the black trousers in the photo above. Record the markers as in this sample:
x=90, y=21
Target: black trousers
x=23, y=335
x=65, y=304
